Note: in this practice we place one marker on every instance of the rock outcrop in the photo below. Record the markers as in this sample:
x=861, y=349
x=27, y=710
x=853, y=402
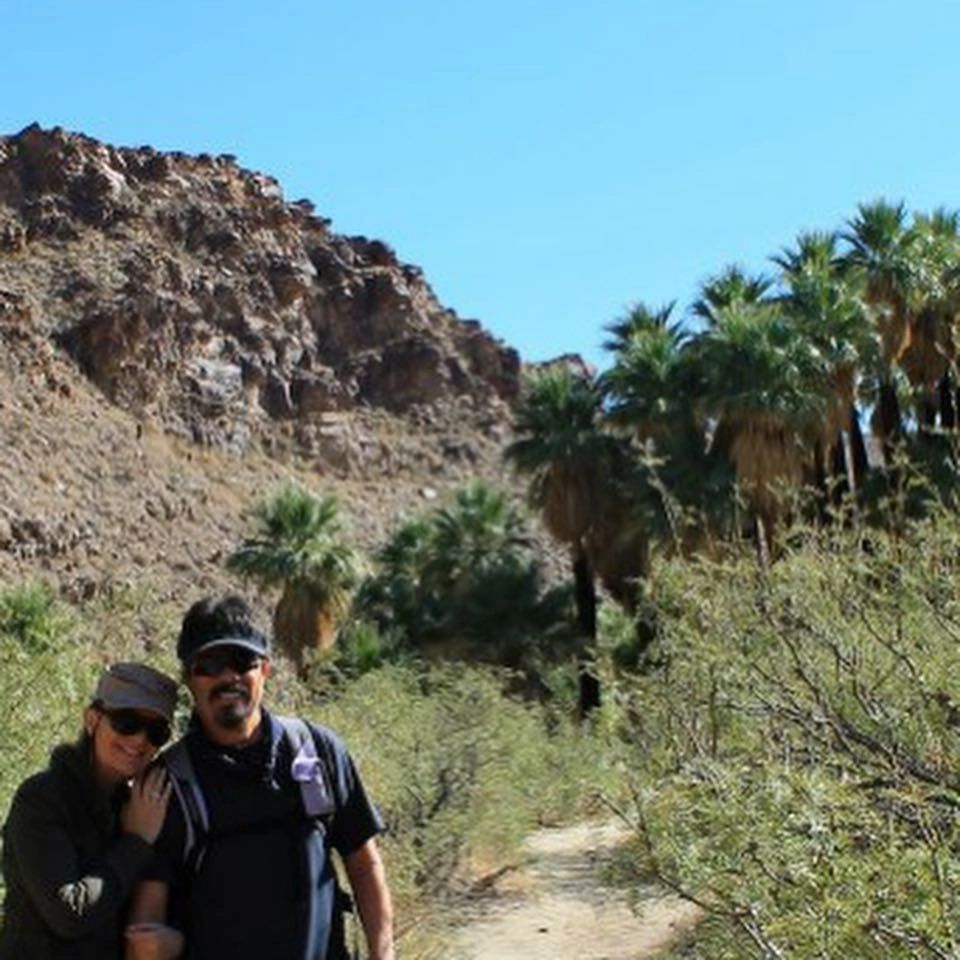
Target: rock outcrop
x=195, y=297
x=175, y=339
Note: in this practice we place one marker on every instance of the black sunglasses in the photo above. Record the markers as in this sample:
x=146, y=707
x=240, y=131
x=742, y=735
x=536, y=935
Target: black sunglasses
x=128, y=723
x=214, y=662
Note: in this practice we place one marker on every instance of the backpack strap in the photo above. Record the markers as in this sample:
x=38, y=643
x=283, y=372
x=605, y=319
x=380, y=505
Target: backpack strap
x=311, y=772
x=196, y=816
x=315, y=775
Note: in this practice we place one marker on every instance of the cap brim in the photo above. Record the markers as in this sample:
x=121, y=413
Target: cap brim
x=243, y=642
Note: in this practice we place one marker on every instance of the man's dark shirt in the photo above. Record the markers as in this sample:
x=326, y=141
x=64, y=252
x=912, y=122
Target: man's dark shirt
x=250, y=896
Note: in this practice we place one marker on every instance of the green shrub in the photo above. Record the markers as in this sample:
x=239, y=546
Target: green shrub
x=362, y=647
x=31, y=615
x=796, y=755
x=43, y=685
x=457, y=768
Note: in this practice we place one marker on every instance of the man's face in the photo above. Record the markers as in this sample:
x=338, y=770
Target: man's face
x=227, y=687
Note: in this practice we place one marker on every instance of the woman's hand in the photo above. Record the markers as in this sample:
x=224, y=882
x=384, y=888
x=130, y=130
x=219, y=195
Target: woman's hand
x=146, y=808
x=153, y=941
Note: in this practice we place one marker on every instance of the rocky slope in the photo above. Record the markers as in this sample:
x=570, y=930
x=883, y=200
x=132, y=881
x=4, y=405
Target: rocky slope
x=175, y=337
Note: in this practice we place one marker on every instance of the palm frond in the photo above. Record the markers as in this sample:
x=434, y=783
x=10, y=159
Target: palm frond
x=731, y=288
x=295, y=540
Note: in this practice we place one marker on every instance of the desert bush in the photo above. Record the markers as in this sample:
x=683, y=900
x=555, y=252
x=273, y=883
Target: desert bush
x=43, y=682
x=31, y=616
x=796, y=750
x=457, y=768
x=363, y=647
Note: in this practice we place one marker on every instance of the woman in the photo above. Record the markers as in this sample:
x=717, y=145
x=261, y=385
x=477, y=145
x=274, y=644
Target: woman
x=80, y=832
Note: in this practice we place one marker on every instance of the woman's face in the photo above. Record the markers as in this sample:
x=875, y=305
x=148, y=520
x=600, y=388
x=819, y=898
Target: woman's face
x=119, y=754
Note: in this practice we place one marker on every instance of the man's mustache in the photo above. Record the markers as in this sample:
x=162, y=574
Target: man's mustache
x=237, y=688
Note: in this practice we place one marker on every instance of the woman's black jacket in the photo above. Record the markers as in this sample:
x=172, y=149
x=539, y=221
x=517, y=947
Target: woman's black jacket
x=68, y=871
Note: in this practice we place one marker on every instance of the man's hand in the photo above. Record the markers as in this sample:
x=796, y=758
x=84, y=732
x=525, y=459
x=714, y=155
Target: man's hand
x=147, y=936
x=152, y=941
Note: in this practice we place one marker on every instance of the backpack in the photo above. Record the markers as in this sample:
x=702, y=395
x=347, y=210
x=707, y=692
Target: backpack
x=317, y=796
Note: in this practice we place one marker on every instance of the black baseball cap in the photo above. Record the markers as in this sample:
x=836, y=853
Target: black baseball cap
x=224, y=622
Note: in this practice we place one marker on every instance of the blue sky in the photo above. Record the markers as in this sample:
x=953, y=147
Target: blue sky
x=546, y=163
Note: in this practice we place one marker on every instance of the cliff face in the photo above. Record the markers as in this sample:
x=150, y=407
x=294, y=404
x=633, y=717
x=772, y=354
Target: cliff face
x=194, y=296
x=175, y=338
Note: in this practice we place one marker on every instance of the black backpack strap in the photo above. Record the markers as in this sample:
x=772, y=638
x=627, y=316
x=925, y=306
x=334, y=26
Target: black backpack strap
x=313, y=771
x=193, y=805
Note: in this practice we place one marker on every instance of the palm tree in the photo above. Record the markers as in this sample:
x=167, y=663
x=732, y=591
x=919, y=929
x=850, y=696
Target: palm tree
x=765, y=386
x=824, y=309
x=561, y=447
x=674, y=487
x=931, y=354
x=398, y=597
x=295, y=545
x=642, y=386
x=476, y=532
x=463, y=579
x=636, y=322
x=481, y=563
x=815, y=250
x=882, y=261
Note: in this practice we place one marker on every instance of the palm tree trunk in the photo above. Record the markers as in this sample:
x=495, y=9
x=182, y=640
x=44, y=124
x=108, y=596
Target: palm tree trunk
x=859, y=462
x=948, y=406
x=301, y=624
x=585, y=596
x=838, y=471
x=821, y=482
x=888, y=410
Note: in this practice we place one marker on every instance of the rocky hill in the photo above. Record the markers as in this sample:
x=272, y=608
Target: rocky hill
x=175, y=337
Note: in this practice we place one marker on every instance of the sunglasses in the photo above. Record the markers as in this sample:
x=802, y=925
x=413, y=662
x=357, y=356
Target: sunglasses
x=237, y=659
x=128, y=723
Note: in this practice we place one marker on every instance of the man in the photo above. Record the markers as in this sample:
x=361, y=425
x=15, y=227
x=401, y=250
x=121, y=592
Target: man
x=256, y=882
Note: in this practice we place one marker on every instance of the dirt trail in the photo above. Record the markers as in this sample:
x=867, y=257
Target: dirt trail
x=563, y=912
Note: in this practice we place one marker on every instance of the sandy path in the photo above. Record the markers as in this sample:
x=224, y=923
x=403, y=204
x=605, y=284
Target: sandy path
x=565, y=913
